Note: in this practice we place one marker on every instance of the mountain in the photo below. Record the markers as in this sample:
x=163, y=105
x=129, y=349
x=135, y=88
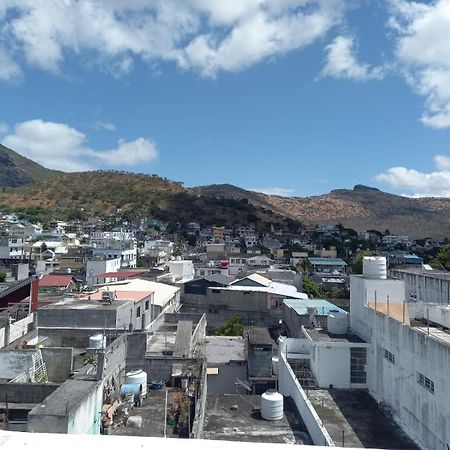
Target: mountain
x=27, y=185
x=73, y=195
x=360, y=208
x=16, y=170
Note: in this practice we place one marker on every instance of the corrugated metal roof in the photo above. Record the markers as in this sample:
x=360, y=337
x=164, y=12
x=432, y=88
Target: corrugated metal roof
x=301, y=306
x=327, y=261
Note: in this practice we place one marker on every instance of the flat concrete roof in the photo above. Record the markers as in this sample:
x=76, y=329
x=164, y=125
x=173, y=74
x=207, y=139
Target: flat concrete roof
x=66, y=397
x=223, y=349
x=259, y=336
x=152, y=413
x=70, y=303
x=245, y=424
x=354, y=419
x=322, y=335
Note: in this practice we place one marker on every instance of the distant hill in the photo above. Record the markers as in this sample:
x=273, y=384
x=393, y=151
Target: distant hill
x=16, y=170
x=71, y=195
x=360, y=208
x=26, y=184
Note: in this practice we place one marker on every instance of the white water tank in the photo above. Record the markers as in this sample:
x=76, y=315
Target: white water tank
x=337, y=322
x=272, y=405
x=97, y=341
x=275, y=360
x=137, y=377
x=375, y=267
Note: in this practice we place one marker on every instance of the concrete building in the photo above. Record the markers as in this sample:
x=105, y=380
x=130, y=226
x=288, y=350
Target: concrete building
x=256, y=299
x=100, y=265
x=12, y=247
x=181, y=270
x=327, y=265
x=126, y=251
x=407, y=365
x=306, y=313
x=227, y=363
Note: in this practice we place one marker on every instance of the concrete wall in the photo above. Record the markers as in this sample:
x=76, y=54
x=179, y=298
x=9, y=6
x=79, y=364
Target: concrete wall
x=424, y=287
x=59, y=362
x=72, y=337
x=86, y=317
x=17, y=330
x=26, y=392
x=136, y=349
x=15, y=362
x=113, y=359
x=252, y=307
x=290, y=387
x=200, y=405
x=423, y=415
x=224, y=381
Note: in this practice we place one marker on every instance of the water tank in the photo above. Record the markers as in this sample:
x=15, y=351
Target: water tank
x=275, y=360
x=137, y=377
x=337, y=322
x=97, y=341
x=272, y=405
x=375, y=267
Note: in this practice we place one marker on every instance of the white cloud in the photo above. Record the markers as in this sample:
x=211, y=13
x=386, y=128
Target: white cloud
x=59, y=146
x=101, y=125
x=204, y=35
x=279, y=191
x=420, y=184
x=341, y=62
x=423, y=50
x=9, y=69
x=4, y=128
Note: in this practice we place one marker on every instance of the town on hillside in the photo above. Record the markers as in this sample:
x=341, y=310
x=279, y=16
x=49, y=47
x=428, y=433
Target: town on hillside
x=292, y=334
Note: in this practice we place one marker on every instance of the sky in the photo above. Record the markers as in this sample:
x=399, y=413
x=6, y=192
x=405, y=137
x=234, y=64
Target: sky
x=290, y=97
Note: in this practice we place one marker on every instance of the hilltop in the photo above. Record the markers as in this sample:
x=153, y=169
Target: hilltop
x=16, y=170
x=73, y=195
x=360, y=208
x=26, y=184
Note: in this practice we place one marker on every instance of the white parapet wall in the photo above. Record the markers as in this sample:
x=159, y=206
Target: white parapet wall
x=289, y=386
x=17, y=330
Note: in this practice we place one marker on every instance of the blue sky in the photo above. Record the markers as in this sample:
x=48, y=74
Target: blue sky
x=295, y=97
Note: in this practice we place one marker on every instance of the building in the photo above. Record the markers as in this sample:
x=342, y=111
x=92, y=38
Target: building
x=306, y=313
x=407, y=366
x=200, y=286
x=126, y=251
x=181, y=270
x=404, y=259
x=58, y=283
x=98, y=266
x=327, y=265
x=12, y=247
x=227, y=363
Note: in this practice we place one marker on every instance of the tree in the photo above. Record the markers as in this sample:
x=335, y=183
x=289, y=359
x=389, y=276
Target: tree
x=311, y=288
x=2, y=276
x=232, y=327
x=358, y=264
x=443, y=257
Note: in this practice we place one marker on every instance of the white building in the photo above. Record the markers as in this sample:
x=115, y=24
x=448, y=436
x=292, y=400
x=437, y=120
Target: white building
x=98, y=266
x=409, y=360
x=181, y=270
x=127, y=256
x=12, y=248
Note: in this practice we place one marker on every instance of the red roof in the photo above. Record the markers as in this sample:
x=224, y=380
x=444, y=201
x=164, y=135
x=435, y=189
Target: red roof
x=56, y=280
x=127, y=274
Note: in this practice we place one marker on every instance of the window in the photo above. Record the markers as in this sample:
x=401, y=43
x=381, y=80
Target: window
x=215, y=291
x=358, y=361
x=146, y=305
x=389, y=356
x=138, y=312
x=425, y=382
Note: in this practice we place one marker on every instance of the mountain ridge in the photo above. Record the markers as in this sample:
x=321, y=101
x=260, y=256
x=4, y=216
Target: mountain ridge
x=27, y=184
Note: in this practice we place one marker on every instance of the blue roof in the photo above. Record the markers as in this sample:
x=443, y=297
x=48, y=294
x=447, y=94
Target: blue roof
x=327, y=261
x=301, y=306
